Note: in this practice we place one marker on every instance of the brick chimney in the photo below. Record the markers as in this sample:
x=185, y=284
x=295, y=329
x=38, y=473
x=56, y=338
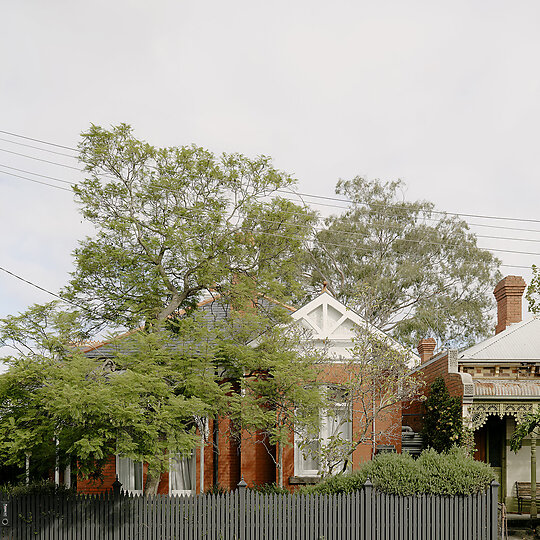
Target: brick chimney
x=426, y=347
x=508, y=292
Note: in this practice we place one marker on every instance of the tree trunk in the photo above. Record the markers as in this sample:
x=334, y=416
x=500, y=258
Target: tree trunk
x=280, y=464
x=152, y=483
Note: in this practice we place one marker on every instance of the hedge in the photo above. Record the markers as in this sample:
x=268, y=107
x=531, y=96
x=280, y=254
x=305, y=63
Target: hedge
x=449, y=473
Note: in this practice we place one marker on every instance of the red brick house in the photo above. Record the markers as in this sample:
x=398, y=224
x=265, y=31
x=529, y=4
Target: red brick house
x=498, y=383
x=221, y=460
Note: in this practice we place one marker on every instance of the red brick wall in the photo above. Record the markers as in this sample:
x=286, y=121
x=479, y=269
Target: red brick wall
x=413, y=412
x=99, y=485
x=257, y=463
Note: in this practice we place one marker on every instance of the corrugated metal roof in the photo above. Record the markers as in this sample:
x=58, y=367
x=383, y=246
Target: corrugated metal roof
x=524, y=388
x=520, y=341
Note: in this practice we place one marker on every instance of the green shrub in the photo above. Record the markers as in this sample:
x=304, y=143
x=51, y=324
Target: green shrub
x=43, y=487
x=216, y=489
x=269, y=489
x=443, y=421
x=449, y=473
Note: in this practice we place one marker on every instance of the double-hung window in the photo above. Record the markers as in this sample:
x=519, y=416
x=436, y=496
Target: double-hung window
x=182, y=475
x=318, y=452
x=130, y=475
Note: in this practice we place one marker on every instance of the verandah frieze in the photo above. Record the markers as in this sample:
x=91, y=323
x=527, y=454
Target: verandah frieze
x=477, y=413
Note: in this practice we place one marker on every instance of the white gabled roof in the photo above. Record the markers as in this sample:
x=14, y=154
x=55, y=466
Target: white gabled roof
x=333, y=323
x=520, y=341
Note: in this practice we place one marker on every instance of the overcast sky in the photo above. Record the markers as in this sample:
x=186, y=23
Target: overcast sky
x=444, y=95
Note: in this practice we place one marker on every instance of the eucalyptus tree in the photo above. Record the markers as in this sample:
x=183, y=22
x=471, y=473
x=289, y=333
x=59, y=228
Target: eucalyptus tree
x=420, y=272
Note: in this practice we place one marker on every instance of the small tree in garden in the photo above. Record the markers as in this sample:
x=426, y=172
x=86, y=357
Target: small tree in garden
x=374, y=381
x=278, y=375
x=443, y=423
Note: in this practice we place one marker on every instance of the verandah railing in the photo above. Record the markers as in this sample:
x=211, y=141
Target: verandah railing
x=247, y=515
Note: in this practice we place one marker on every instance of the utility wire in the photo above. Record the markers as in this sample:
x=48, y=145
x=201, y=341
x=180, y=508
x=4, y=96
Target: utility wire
x=289, y=192
x=10, y=174
x=39, y=159
x=297, y=193
x=349, y=201
x=317, y=204
x=37, y=140
x=41, y=288
x=38, y=148
x=37, y=174
x=349, y=233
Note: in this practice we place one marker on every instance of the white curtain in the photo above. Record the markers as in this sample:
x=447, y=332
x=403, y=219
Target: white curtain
x=182, y=474
x=130, y=474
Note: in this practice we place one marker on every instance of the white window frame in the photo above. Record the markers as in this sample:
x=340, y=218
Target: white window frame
x=134, y=468
x=324, y=435
x=193, y=473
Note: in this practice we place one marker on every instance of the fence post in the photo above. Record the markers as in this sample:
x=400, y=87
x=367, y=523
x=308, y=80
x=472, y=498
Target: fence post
x=368, y=506
x=494, y=514
x=116, y=492
x=241, y=486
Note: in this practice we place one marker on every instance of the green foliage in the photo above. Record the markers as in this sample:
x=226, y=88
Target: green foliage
x=533, y=290
x=450, y=473
x=269, y=489
x=416, y=262
x=174, y=222
x=45, y=488
x=524, y=429
x=443, y=423
x=216, y=489
x=144, y=404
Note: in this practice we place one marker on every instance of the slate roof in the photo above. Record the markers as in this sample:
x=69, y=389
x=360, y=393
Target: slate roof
x=214, y=309
x=520, y=341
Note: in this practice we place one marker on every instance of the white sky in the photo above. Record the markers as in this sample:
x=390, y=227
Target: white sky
x=444, y=95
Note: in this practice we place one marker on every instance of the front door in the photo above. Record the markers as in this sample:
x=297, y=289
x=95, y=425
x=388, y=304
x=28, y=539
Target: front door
x=496, y=450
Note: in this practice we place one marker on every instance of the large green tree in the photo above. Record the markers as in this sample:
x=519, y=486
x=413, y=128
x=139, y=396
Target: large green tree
x=420, y=272
x=172, y=223
x=58, y=404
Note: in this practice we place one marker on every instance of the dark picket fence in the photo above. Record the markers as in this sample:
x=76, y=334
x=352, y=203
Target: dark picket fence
x=247, y=515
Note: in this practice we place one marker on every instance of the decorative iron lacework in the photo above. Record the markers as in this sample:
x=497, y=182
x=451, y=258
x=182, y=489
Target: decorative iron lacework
x=479, y=412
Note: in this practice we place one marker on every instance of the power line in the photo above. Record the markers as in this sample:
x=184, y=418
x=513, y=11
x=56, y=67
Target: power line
x=347, y=201
x=39, y=159
x=366, y=250
x=38, y=148
x=35, y=181
x=37, y=174
x=389, y=206
x=349, y=233
x=314, y=203
x=41, y=288
x=37, y=140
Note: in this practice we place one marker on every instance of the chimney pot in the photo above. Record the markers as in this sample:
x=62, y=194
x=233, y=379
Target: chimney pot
x=509, y=293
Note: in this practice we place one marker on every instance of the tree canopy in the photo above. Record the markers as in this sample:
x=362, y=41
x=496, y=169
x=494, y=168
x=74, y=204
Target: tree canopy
x=143, y=403
x=420, y=272
x=174, y=222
